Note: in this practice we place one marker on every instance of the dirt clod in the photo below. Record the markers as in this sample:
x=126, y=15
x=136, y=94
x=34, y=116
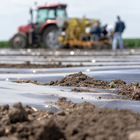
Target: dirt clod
x=17, y=113
x=62, y=98
x=61, y=113
x=4, y=107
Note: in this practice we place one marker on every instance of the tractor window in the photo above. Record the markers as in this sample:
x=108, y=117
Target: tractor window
x=42, y=15
x=61, y=12
x=51, y=14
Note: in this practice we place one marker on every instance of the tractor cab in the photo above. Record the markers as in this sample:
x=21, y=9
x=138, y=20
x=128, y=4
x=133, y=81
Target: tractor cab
x=45, y=29
x=49, y=12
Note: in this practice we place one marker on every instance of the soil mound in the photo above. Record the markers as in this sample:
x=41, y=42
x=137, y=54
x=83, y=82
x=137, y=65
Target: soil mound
x=81, y=80
x=73, y=80
x=84, y=121
x=74, y=122
x=78, y=80
x=131, y=91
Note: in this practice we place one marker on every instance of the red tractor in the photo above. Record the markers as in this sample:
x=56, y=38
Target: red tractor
x=45, y=30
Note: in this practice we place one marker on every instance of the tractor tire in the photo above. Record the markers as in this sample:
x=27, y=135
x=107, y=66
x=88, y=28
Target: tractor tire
x=19, y=41
x=50, y=38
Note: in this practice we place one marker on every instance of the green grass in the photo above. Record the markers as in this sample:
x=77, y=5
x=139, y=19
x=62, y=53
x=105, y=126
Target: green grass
x=4, y=44
x=130, y=43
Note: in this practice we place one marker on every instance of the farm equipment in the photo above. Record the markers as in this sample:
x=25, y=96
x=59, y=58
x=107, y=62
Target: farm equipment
x=77, y=34
x=45, y=30
x=54, y=30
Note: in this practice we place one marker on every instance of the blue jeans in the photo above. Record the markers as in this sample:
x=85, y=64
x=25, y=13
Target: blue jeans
x=117, y=36
x=94, y=37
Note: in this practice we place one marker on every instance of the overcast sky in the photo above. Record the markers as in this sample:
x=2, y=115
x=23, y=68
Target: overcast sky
x=16, y=12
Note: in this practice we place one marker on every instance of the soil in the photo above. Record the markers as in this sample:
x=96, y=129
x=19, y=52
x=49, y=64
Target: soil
x=131, y=91
x=28, y=65
x=29, y=81
x=79, y=80
x=74, y=122
x=84, y=90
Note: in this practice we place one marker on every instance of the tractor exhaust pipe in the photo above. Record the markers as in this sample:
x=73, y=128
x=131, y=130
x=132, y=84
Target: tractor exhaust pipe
x=31, y=29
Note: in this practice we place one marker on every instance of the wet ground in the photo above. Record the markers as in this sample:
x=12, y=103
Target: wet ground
x=105, y=65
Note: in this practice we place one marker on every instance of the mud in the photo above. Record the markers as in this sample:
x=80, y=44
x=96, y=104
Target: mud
x=28, y=65
x=74, y=122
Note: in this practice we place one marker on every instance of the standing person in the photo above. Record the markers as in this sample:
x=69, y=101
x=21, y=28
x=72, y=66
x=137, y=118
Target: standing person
x=104, y=30
x=95, y=31
x=110, y=33
x=119, y=28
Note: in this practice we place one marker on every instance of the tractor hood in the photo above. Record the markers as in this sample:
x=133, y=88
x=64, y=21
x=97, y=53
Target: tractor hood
x=25, y=28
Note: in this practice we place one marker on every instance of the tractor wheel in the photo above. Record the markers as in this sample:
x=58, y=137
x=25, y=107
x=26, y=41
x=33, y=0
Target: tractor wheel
x=19, y=41
x=50, y=37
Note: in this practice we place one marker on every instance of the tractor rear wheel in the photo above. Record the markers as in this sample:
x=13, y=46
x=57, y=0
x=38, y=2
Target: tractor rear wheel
x=19, y=41
x=50, y=37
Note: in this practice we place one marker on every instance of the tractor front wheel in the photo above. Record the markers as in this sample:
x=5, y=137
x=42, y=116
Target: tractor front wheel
x=50, y=37
x=19, y=41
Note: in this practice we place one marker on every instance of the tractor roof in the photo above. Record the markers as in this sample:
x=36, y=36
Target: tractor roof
x=52, y=5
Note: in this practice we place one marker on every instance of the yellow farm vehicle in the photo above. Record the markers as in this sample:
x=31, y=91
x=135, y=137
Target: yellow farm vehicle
x=76, y=33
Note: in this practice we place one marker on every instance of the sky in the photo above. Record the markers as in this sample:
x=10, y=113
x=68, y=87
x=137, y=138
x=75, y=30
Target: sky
x=16, y=12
